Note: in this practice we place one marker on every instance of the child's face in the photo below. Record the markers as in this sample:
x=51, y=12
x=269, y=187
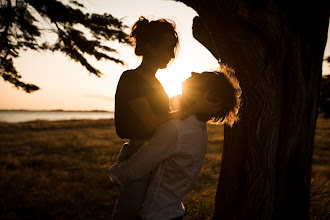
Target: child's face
x=189, y=92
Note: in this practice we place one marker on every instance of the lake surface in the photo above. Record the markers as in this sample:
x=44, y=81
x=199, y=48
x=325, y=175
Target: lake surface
x=23, y=116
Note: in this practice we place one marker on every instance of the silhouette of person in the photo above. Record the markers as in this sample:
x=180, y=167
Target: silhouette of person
x=176, y=151
x=141, y=103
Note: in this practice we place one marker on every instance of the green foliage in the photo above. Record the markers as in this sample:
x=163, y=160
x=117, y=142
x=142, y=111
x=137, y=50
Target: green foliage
x=22, y=25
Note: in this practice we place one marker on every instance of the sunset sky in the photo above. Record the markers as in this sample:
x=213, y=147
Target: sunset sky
x=66, y=85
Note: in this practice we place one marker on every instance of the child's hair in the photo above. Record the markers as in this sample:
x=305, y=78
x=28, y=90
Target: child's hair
x=222, y=87
x=151, y=32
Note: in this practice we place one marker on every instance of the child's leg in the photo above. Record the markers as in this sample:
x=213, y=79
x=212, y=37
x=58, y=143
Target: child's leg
x=130, y=199
x=131, y=195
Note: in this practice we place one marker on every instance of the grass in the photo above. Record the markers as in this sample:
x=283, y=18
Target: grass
x=58, y=170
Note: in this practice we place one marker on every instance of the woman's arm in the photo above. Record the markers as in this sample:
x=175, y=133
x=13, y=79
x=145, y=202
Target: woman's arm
x=143, y=110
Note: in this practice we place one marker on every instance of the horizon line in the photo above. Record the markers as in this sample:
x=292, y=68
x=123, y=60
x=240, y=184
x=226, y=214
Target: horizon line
x=58, y=110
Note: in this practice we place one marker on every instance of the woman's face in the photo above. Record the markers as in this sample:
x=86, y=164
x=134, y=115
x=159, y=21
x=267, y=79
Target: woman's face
x=162, y=53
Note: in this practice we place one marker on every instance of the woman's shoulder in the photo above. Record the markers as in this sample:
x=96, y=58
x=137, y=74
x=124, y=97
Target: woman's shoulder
x=129, y=75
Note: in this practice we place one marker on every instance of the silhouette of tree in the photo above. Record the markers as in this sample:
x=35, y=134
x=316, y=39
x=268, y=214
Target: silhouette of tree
x=24, y=22
x=276, y=48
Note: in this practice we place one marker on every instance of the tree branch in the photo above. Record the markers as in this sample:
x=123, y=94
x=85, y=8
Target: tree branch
x=18, y=31
x=4, y=34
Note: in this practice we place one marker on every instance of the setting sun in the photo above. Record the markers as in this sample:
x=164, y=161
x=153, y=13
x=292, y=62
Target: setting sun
x=172, y=77
x=171, y=80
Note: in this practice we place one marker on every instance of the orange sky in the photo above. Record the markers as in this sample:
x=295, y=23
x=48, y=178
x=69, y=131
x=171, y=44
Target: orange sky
x=66, y=85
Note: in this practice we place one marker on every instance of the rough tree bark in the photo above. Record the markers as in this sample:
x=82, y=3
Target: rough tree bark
x=276, y=49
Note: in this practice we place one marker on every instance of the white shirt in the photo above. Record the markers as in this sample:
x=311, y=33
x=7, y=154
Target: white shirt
x=175, y=155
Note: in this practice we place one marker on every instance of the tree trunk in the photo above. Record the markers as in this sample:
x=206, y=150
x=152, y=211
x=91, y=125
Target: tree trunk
x=276, y=50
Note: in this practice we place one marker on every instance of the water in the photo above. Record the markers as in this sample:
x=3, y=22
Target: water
x=23, y=116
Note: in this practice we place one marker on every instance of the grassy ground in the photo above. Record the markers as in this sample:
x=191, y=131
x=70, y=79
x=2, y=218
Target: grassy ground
x=58, y=170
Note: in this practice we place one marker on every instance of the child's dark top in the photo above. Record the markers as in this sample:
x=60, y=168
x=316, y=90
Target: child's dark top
x=133, y=86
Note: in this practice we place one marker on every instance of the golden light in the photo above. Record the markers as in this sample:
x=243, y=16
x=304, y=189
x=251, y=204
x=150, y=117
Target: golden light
x=172, y=77
x=182, y=66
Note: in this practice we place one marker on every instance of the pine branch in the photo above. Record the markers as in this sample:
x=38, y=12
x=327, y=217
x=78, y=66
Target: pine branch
x=9, y=74
x=20, y=32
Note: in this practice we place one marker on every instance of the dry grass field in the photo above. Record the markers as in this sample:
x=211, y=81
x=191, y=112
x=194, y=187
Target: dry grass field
x=58, y=170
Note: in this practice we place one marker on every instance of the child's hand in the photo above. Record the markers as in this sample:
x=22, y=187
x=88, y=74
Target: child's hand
x=113, y=174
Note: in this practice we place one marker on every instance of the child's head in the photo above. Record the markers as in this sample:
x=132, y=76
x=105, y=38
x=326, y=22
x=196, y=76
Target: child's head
x=152, y=38
x=221, y=87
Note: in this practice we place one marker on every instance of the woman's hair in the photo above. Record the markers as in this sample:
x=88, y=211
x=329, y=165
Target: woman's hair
x=151, y=32
x=222, y=87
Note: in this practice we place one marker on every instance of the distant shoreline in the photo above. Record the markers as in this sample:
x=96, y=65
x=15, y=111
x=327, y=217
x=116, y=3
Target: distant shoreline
x=53, y=110
x=52, y=115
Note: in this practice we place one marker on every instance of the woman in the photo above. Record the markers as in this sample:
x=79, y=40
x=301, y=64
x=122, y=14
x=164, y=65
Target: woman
x=141, y=103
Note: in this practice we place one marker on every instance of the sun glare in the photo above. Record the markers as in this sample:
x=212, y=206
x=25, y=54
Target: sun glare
x=182, y=66
x=172, y=77
x=171, y=85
